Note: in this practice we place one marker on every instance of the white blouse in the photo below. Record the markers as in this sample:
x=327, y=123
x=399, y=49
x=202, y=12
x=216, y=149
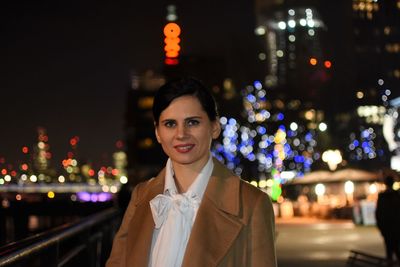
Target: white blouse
x=174, y=215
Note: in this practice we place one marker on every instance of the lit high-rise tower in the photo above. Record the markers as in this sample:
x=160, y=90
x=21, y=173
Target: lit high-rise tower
x=41, y=154
x=172, y=40
x=377, y=50
x=298, y=63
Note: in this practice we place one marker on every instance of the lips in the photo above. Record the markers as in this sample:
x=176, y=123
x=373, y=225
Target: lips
x=185, y=148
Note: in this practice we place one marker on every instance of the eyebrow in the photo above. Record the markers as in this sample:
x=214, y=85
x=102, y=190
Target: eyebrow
x=186, y=119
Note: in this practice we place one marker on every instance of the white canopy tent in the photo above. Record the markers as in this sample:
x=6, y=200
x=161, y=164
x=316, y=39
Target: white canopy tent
x=337, y=176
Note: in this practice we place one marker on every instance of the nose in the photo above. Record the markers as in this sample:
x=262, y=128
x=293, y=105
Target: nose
x=181, y=132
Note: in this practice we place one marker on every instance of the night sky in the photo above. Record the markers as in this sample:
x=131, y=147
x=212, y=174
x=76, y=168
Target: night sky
x=66, y=65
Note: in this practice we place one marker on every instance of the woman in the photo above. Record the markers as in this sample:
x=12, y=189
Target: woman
x=195, y=212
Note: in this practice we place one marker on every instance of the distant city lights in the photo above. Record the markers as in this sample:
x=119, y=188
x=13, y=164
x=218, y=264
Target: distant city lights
x=123, y=179
x=33, y=178
x=280, y=152
x=260, y=30
x=50, y=194
x=313, y=61
x=320, y=189
x=322, y=126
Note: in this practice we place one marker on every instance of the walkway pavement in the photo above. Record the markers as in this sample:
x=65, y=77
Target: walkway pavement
x=312, y=242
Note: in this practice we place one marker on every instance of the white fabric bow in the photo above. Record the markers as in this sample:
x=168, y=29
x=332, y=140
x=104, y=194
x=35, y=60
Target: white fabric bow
x=173, y=217
x=185, y=204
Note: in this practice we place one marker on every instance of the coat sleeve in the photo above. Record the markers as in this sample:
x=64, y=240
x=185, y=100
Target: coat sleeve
x=118, y=252
x=262, y=234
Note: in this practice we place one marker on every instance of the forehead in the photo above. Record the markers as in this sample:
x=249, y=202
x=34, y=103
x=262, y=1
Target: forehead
x=187, y=105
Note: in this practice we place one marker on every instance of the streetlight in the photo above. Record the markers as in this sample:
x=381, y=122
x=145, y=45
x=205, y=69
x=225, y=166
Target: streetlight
x=320, y=191
x=332, y=157
x=349, y=190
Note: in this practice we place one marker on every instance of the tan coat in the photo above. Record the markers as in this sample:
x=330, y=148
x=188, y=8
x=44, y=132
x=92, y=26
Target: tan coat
x=234, y=226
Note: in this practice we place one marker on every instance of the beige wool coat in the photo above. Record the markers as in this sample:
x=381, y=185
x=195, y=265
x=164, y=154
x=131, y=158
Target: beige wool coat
x=234, y=226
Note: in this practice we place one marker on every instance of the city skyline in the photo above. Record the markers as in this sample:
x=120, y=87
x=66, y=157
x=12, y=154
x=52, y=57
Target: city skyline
x=67, y=67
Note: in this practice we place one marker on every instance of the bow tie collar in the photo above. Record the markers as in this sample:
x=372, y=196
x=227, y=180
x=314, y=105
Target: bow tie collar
x=181, y=205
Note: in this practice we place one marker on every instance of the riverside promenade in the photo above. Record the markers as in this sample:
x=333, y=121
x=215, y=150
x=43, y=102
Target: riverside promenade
x=312, y=242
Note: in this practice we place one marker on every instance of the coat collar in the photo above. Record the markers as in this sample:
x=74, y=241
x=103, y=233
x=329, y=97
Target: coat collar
x=140, y=231
x=223, y=189
x=218, y=221
x=216, y=226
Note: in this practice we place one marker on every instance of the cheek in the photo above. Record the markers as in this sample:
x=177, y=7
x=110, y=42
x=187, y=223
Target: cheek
x=164, y=137
x=206, y=138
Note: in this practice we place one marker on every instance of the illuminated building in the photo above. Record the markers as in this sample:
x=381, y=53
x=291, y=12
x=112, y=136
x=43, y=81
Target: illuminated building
x=172, y=39
x=42, y=157
x=362, y=77
x=377, y=49
x=297, y=57
x=71, y=164
x=376, y=57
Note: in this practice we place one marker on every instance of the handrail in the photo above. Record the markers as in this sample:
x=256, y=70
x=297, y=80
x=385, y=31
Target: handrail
x=360, y=258
x=30, y=246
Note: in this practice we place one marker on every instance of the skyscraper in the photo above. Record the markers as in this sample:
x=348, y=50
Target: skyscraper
x=298, y=60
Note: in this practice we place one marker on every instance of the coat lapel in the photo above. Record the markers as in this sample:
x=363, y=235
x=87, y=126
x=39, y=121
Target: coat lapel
x=142, y=225
x=217, y=223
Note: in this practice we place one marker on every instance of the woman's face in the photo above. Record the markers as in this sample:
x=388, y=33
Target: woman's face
x=185, y=132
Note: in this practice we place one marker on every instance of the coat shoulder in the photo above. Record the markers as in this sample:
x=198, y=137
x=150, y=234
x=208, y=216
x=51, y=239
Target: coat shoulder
x=251, y=193
x=143, y=189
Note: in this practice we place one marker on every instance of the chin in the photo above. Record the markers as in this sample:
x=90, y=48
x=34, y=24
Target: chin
x=184, y=159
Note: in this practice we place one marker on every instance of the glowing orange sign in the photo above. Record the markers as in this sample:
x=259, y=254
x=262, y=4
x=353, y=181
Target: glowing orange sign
x=172, y=40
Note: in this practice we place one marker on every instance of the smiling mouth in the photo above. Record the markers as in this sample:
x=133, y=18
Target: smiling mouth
x=184, y=148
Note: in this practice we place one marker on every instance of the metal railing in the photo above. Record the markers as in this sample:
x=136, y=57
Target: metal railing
x=84, y=243
x=362, y=259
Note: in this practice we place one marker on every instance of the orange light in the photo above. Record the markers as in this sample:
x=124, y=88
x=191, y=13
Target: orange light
x=73, y=142
x=172, y=40
x=91, y=172
x=114, y=172
x=24, y=167
x=25, y=150
x=313, y=61
x=327, y=64
x=172, y=47
x=171, y=61
x=172, y=54
x=172, y=30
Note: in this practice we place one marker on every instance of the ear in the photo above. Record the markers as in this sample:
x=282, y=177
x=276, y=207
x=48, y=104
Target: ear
x=157, y=136
x=216, y=128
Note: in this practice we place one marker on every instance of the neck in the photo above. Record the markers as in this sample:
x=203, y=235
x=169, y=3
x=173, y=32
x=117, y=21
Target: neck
x=185, y=174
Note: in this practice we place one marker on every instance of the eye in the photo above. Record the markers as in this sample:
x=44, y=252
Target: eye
x=193, y=122
x=169, y=124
